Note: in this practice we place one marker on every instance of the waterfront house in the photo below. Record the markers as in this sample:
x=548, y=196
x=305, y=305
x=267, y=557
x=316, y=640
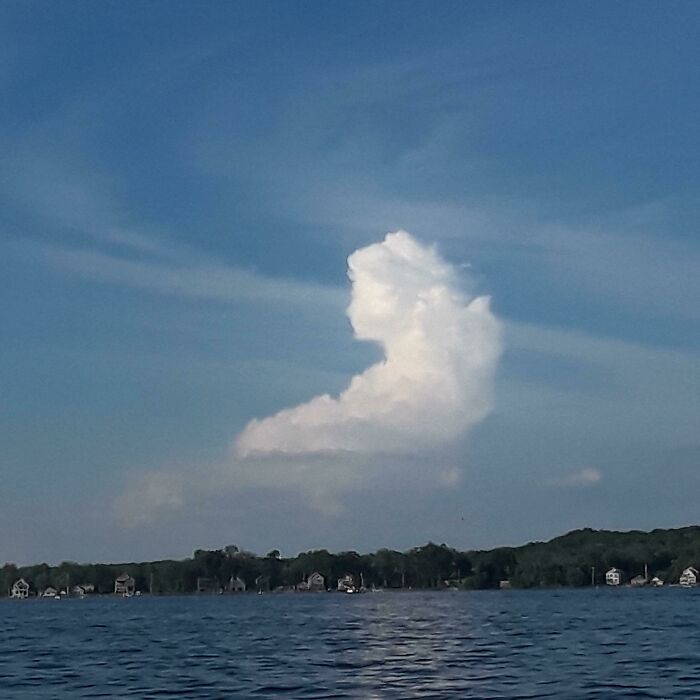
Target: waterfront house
x=83, y=589
x=639, y=581
x=614, y=577
x=49, y=592
x=236, y=585
x=316, y=582
x=20, y=589
x=124, y=585
x=656, y=582
x=689, y=577
x=346, y=583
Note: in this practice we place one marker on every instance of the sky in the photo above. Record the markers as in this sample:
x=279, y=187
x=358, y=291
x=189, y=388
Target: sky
x=345, y=275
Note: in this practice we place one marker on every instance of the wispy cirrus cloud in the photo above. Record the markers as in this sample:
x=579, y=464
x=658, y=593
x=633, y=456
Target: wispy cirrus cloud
x=103, y=243
x=200, y=278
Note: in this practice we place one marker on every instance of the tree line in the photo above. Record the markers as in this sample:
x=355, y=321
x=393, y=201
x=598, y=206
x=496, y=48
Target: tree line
x=579, y=558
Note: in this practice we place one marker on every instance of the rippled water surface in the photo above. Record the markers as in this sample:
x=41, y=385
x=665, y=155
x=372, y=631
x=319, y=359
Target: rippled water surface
x=501, y=644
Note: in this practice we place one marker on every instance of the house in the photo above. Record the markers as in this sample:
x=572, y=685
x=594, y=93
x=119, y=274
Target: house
x=208, y=585
x=614, y=577
x=346, y=583
x=82, y=590
x=236, y=585
x=656, y=582
x=124, y=585
x=689, y=577
x=316, y=582
x=49, y=592
x=20, y=589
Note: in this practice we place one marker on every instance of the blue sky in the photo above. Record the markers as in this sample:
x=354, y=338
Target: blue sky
x=182, y=183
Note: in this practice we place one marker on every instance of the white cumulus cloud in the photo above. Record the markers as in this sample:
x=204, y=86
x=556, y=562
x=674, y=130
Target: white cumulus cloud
x=441, y=347
x=398, y=422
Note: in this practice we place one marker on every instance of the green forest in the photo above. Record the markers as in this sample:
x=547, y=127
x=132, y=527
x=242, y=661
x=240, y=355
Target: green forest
x=579, y=558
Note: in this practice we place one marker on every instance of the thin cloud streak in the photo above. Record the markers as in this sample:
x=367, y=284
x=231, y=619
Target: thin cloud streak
x=584, y=478
x=132, y=255
x=197, y=280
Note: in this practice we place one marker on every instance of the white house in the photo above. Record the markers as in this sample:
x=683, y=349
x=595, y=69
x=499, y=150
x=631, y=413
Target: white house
x=124, y=585
x=346, y=583
x=689, y=577
x=20, y=589
x=49, y=592
x=315, y=582
x=613, y=577
x=236, y=584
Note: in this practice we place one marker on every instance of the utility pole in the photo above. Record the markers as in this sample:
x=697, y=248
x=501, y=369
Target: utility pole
x=593, y=576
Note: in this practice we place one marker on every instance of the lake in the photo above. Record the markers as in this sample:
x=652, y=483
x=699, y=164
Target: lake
x=598, y=643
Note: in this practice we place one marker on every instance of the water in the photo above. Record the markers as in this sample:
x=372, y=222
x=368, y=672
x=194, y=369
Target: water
x=484, y=644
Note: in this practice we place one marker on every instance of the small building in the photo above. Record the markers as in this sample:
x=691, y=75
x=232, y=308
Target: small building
x=124, y=585
x=638, y=581
x=236, y=585
x=614, y=577
x=689, y=577
x=316, y=582
x=656, y=582
x=346, y=583
x=82, y=589
x=49, y=592
x=20, y=589
x=504, y=584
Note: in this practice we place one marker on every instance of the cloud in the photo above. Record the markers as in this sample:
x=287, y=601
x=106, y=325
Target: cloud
x=401, y=421
x=582, y=478
x=441, y=349
x=148, y=497
x=100, y=241
x=200, y=278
